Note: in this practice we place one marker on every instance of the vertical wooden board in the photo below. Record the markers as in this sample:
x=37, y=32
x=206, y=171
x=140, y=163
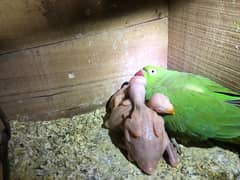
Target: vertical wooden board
x=204, y=38
x=77, y=75
x=32, y=23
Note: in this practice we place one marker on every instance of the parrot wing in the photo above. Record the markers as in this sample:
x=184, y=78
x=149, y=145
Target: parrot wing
x=203, y=116
x=204, y=109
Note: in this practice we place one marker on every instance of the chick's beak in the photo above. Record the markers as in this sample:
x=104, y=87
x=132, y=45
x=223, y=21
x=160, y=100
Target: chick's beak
x=171, y=111
x=139, y=73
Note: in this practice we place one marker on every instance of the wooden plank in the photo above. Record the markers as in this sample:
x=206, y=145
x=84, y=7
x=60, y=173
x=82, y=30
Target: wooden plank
x=65, y=102
x=204, y=39
x=78, y=75
x=32, y=23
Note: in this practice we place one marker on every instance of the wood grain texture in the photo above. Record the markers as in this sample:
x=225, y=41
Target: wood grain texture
x=204, y=38
x=32, y=23
x=77, y=75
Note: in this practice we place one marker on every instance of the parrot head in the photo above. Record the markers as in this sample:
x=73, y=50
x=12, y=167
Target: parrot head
x=151, y=73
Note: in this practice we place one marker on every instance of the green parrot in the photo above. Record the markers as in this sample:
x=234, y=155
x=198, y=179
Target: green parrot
x=204, y=109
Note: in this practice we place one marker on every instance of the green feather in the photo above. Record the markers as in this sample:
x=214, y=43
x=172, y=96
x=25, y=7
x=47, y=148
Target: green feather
x=200, y=105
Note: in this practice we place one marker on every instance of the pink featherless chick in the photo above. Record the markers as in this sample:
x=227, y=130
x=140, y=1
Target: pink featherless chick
x=145, y=136
x=136, y=128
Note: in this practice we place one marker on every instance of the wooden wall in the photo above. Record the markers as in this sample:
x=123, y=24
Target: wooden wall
x=59, y=58
x=204, y=38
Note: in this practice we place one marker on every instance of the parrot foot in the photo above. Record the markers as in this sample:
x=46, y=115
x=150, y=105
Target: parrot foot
x=176, y=145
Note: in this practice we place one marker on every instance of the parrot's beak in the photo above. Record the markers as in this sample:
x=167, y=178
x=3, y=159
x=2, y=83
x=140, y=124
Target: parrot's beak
x=139, y=73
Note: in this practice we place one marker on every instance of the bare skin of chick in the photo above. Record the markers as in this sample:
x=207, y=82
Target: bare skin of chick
x=143, y=133
x=118, y=106
x=148, y=148
x=161, y=104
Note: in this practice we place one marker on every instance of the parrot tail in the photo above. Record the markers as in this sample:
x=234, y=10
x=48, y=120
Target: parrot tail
x=233, y=94
x=234, y=102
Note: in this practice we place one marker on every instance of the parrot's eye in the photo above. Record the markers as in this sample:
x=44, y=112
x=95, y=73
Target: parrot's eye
x=151, y=71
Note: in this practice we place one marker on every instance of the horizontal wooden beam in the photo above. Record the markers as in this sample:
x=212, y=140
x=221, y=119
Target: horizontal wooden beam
x=77, y=75
x=33, y=23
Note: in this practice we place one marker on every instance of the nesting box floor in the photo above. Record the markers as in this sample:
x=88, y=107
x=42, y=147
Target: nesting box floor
x=79, y=148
